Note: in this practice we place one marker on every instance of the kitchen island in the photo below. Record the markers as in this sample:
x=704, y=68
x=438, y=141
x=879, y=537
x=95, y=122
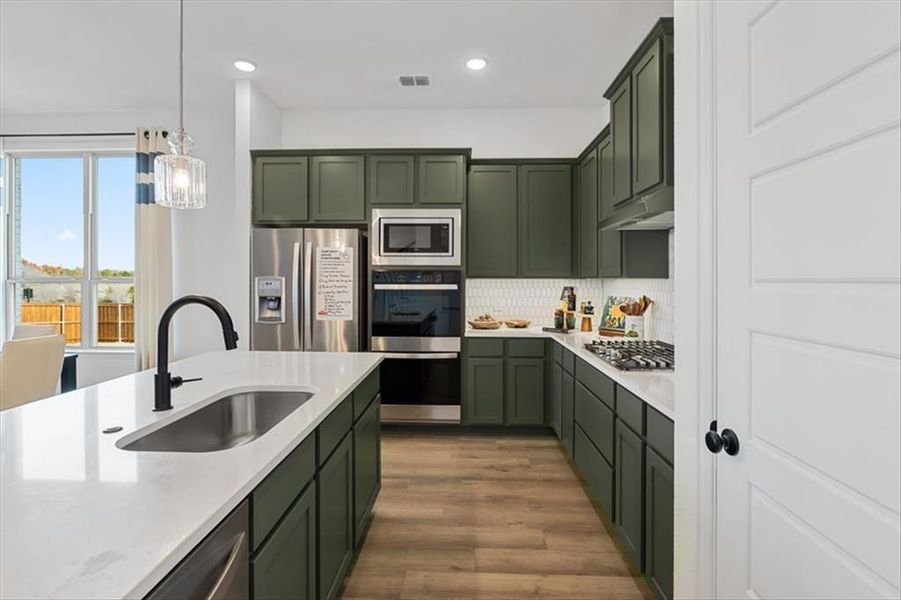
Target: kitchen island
x=82, y=518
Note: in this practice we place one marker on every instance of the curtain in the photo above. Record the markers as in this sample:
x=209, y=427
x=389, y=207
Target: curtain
x=153, y=249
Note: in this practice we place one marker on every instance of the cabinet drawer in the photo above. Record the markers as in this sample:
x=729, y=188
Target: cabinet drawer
x=485, y=347
x=597, y=383
x=365, y=392
x=526, y=348
x=569, y=362
x=598, y=474
x=558, y=353
x=595, y=419
x=660, y=434
x=333, y=429
x=274, y=495
x=630, y=408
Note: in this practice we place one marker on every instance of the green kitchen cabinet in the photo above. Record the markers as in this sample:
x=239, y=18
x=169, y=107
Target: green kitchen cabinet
x=483, y=400
x=390, y=179
x=629, y=491
x=367, y=467
x=658, y=552
x=555, y=406
x=524, y=391
x=280, y=192
x=545, y=220
x=621, y=139
x=588, y=215
x=337, y=188
x=647, y=121
x=567, y=413
x=491, y=224
x=595, y=470
x=609, y=242
x=284, y=568
x=335, y=484
x=442, y=179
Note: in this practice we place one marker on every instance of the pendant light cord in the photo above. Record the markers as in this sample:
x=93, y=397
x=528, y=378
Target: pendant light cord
x=181, y=65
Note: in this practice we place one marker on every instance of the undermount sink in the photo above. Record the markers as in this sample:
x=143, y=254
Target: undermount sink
x=226, y=423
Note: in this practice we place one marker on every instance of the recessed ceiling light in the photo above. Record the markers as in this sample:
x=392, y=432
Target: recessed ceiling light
x=476, y=64
x=245, y=65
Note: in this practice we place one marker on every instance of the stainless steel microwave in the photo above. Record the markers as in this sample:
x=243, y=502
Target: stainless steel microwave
x=416, y=237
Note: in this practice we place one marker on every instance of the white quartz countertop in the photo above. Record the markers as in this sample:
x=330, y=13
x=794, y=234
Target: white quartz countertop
x=80, y=518
x=656, y=388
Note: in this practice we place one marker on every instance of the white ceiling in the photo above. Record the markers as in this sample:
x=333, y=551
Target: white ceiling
x=80, y=55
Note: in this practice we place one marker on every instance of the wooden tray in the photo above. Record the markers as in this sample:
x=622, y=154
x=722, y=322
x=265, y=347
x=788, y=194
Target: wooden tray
x=485, y=324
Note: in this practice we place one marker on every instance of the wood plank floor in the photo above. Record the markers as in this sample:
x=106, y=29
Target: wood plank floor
x=477, y=516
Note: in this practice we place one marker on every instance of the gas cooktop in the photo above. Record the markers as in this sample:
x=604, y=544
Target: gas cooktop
x=635, y=355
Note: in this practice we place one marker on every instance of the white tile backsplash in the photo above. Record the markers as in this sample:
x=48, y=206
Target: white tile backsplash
x=536, y=299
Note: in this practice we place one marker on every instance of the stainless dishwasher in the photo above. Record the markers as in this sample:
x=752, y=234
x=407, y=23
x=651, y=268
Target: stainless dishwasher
x=218, y=568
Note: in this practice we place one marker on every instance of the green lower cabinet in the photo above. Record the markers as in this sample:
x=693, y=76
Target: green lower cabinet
x=596, y=471
x=658, y=552
x=567, y=413
x=336, y=528
x=629, y=507
x=285, y=566
x=524, y=391
x=367, y=467
x=555, y=418
x=483, y=399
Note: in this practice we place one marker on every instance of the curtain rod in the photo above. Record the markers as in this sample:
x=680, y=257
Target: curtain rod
x=91, y=134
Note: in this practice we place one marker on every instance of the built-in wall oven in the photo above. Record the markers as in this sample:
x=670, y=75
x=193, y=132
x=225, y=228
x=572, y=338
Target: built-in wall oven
x=422, y=237
x=417, y=321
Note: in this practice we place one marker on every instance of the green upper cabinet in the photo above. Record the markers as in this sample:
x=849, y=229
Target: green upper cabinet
x=391, y=179
x=621, y=138
x=337, y=188
x=545, y=220
x=280, y=193
x=647, y=110
x=491, y=221
x=609, y=250
x=588, y=215
x=442, y=179
x=524, y=391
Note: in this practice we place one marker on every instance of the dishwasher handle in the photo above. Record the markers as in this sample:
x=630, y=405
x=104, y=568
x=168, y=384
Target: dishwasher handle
x=224, y=582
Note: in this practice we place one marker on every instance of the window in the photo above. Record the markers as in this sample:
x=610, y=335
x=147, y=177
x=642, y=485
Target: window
x=71, y=245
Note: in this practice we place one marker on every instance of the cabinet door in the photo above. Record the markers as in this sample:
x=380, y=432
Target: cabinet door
x=610, y=241
x=647, y=131
x=588, y=215
x=337, y=190
x=621, y=137
x=545, y=220
x=491, y=221
x=629, y=510
x=280, y=193
x=285, y=566
x=556, y=403
x=336, y=530
x=367, y=466
x=390, y=179
x=524, y=391
x=483, y=402
x=567, y=412
x=658, y=566
x=442, y=179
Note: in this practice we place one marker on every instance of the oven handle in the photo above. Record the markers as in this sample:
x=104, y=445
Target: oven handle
x=422, y=355
x=416, y=286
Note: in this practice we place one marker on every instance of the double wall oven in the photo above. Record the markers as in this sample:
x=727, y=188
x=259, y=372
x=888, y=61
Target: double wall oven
x=416, y=313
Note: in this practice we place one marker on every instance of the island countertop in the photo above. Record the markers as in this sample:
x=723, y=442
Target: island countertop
x=656, y=388
x=81, y=518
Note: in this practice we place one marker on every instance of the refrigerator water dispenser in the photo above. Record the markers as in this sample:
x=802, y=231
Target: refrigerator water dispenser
x=270, y=299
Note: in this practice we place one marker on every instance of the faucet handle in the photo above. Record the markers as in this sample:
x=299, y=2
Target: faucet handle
x=177, y=381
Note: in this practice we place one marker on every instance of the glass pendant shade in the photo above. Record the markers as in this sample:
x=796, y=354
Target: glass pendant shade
x=179, y=179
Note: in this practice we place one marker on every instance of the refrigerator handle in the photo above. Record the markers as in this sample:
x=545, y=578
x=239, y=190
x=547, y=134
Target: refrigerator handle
x=295, y=294
x=308, y=297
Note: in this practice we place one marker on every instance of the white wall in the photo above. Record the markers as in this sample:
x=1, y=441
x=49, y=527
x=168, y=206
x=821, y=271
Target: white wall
x=491, y=133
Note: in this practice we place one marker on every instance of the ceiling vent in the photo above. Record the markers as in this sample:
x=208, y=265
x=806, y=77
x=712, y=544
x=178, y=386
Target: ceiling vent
x=414, y=80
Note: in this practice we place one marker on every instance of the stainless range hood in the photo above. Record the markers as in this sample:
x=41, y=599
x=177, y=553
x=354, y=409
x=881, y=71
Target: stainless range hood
x=652, y=211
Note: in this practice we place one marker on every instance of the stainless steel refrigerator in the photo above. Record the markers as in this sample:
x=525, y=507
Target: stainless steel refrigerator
x=308, y=289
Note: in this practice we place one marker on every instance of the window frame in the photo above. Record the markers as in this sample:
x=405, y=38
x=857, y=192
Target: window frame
x=90, y=281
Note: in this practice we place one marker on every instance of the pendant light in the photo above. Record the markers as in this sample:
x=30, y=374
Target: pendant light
x=179, y=178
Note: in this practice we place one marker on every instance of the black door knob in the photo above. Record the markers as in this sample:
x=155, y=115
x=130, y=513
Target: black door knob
x=728, y=441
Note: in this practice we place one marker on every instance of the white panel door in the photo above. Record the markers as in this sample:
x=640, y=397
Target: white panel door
x=808, y=175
